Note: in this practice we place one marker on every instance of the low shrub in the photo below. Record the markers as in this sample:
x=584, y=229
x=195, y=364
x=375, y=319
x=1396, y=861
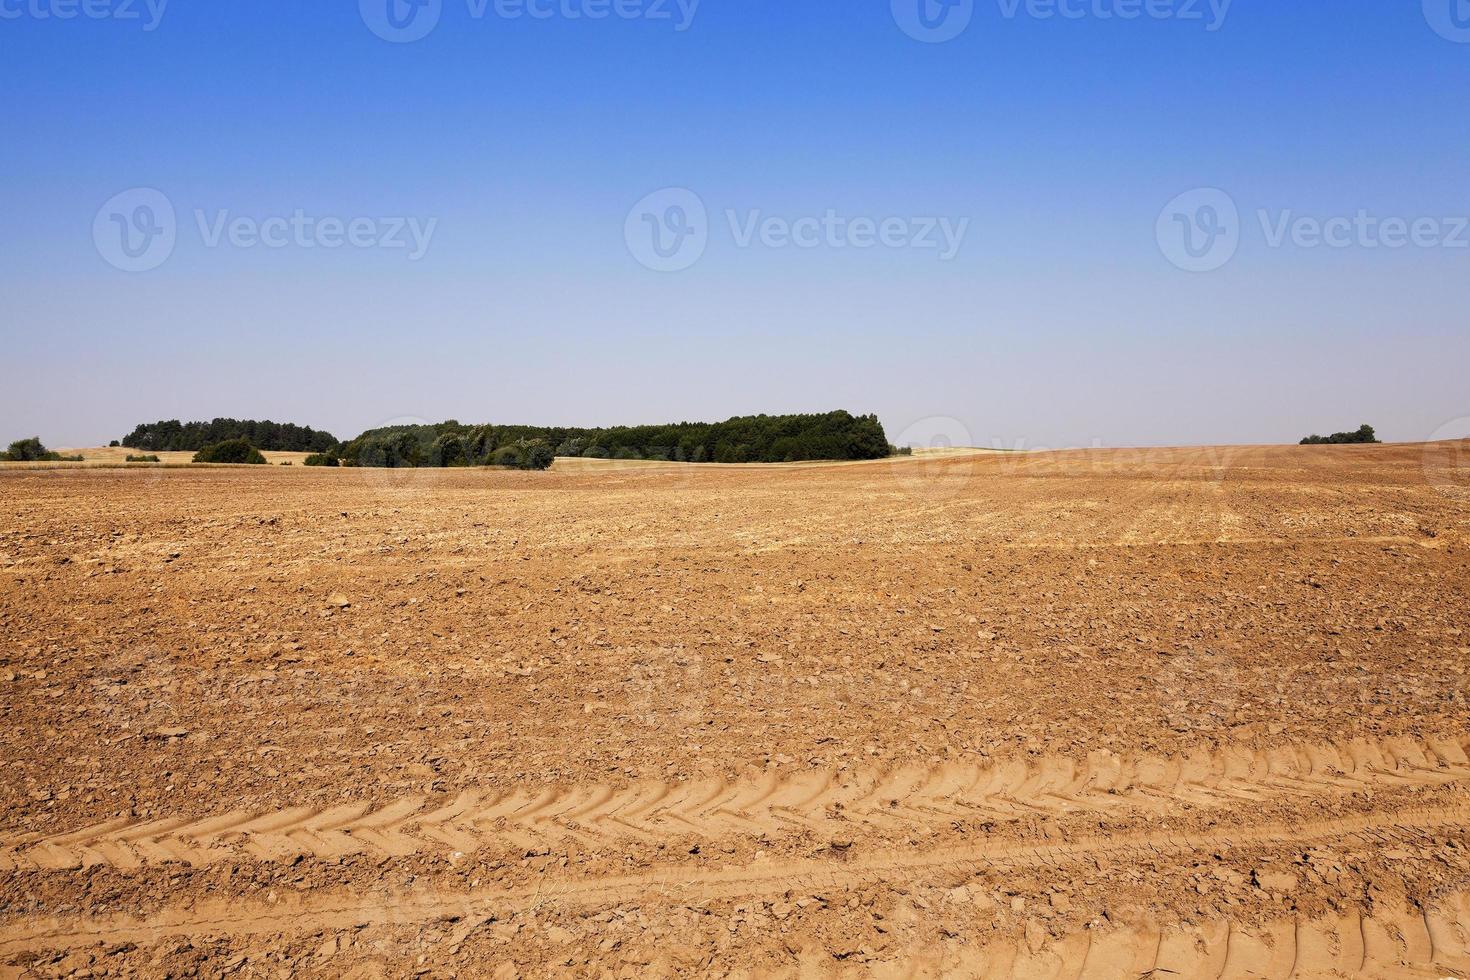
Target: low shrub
x=322, y=459
x=149, y=458
x=230, y=451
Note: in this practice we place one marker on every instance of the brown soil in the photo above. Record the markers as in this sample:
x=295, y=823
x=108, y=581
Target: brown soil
x=1166, y=713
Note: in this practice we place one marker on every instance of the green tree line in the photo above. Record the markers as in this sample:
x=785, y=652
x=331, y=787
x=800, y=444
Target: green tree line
x=175, y=436
x=750, y=439
x=1365, y=434
x=445, y=444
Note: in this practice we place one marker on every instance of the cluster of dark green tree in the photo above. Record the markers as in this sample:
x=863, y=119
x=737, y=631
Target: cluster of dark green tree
x=33, y=451
x=750, y=439
x=445, y=444
x=173, y=435
x=1365, y=434
x=230, y=451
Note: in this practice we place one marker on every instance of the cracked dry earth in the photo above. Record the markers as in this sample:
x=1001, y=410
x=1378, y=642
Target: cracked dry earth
x=1175, y=713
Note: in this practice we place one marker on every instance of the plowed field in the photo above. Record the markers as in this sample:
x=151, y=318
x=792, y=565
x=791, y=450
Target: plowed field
x=1115, y=714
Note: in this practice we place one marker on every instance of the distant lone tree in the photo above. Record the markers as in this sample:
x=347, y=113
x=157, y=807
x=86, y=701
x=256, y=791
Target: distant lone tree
x=230, y=451
x=1365, y=434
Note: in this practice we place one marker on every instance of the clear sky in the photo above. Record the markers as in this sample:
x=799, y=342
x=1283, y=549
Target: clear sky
x=818, y=150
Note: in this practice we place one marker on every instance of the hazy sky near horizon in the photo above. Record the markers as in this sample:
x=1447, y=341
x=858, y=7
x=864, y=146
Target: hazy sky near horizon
x=638, y=211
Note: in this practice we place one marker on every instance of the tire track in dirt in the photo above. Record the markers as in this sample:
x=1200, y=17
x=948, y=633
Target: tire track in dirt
x=1226, y=949
x=825, y=802
x=1238, y=541
x=1432, y=942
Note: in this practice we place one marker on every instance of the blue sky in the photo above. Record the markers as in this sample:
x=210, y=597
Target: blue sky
x=523, y=143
